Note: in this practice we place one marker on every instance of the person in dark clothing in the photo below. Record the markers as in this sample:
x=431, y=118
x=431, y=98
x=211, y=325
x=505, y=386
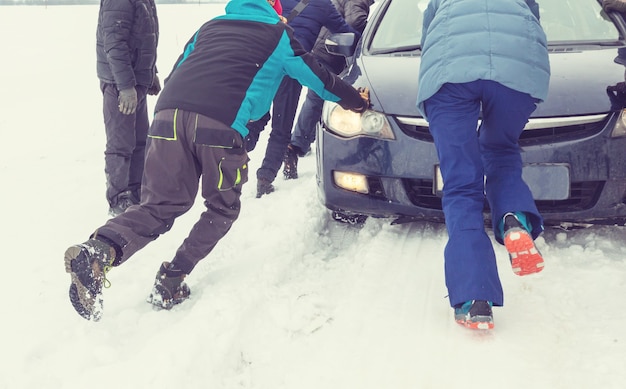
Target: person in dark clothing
x=306, y=25
x=355, y=12
x=614, y=5
x=226, y=76
x=126, y=49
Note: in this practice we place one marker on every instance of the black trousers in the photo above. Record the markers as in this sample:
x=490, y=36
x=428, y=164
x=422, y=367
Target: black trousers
x=125, y=144
x=184, y=148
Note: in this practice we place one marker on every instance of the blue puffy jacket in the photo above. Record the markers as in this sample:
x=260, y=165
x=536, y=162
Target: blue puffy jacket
x=469, y=40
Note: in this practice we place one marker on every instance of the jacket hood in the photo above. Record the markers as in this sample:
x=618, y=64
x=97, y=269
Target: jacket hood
x=253, y=10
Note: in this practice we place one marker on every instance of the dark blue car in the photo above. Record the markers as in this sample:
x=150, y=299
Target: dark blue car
x=384, y=164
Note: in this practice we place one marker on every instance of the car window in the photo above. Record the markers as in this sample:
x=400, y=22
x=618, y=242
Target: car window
x=575, y=21
x=400, y=27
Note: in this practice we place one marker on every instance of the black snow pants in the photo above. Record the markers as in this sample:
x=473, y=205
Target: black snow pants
x=184, y=148
x=125, y=144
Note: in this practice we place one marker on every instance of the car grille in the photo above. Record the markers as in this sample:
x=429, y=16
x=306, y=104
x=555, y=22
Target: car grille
x=537, y=131
x=583, y=195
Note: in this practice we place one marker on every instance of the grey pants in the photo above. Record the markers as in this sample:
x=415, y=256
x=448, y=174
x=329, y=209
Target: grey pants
x=125, y=143
x=184, y=148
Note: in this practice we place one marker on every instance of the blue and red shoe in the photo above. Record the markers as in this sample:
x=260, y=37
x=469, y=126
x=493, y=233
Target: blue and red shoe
x=524, y=255
x=475, y=315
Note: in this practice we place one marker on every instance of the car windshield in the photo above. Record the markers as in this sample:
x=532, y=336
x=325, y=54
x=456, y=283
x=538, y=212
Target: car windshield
x=564, y=21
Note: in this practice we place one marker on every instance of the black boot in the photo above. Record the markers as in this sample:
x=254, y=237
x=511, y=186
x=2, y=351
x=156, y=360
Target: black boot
x=263, y=186
x=290, y=169
x=87, y=264
x=123, y=201
x=169, y=288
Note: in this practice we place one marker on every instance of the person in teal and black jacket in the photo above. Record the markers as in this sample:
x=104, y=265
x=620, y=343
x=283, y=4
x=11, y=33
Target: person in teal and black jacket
x=483, y=59
x=227, y=75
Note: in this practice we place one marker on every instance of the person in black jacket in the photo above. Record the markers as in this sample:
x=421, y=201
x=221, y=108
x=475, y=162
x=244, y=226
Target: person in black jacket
x=614, y=5
x=355, y=12
x=126, y=49
x=227, y=75
x=306, y=25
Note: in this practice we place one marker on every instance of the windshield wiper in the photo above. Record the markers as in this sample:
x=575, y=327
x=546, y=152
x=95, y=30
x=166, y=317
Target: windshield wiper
x=587, y=43
x=399, y=49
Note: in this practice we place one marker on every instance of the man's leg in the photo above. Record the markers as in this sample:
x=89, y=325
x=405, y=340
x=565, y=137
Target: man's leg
x=283, y=114
x=120, y=143
x=224, y=166
x=310, y=113
x=303, y=134
x=304, y=131
x=169, y=188
x=137, y=159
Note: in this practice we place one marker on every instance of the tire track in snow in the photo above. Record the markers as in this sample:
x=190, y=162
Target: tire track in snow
x=390, y=278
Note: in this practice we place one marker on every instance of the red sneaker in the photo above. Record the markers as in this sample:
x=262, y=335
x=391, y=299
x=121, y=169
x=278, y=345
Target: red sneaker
x=524, y=256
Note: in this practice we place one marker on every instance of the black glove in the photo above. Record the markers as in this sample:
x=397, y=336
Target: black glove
x=127, y=100
x=620, y=88
x=156, y=86
x=365, y=95
x=614, y=5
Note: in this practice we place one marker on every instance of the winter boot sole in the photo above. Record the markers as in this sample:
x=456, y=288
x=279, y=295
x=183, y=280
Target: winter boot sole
x=525, y=258
x=86, y=283
x=478, y=323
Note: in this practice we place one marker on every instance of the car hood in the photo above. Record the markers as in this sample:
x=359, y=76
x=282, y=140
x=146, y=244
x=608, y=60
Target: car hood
x=578, y=82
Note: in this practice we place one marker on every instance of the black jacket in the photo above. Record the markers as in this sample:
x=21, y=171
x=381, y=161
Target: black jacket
x=318, y=14
x=355, y=13
x=126, y=42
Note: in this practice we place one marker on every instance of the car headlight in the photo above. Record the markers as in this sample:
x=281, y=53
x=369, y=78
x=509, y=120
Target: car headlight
x=349, y=124
x=620, y=125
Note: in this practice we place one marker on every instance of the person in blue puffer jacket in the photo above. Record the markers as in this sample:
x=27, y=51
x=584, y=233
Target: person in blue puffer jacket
x=483, y=59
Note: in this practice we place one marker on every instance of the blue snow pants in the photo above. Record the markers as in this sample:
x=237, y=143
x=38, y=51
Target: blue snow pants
x=475, y=164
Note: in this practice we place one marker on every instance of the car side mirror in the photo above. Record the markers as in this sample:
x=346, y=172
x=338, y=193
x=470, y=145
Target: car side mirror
x=342, y=43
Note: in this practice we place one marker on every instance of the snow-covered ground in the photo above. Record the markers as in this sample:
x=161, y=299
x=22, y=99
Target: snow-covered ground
x=287, y=300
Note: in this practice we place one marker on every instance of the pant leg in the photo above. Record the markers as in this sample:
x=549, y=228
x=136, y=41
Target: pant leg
x=505, y=113
x=121, y=140
x=304, y=131
x=169, y=187
x=142, y=124
x=310, y=113
x=176, y=158
x=223, y=162
x=470, y=264
x=283, y=113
